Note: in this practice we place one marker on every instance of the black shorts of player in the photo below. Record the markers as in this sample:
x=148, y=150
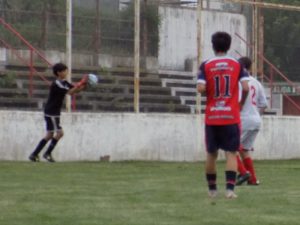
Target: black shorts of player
x=226, y=137
x=52, y=123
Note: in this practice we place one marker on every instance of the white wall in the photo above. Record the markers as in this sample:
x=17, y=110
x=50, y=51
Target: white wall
x=178, y=34
x=2, y=55
x=279, y=138
x=125, y=136
x=78, y=59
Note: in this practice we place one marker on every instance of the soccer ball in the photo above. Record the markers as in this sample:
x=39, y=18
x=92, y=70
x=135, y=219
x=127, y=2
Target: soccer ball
x=92, y=80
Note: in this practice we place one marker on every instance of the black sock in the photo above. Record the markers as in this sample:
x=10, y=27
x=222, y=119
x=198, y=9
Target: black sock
x=230, y=180
x=212, y=181
x=51, y=146
x=39, y=147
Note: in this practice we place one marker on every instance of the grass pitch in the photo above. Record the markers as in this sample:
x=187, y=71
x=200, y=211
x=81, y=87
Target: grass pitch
x=143, y=193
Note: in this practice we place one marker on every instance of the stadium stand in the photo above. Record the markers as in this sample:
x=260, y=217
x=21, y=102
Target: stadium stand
x=165, y=91
x=183, y=85
x=159, y=92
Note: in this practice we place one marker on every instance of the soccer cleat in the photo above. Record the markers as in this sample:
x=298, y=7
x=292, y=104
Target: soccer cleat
x=230, y=194
x=253, y=183
x=242, y=178
x=212, y=193
x=34, y=158
x=48, y=157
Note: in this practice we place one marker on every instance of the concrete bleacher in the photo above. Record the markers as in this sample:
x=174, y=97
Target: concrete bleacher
x=165, y=91
x=114, y=93
x=183, y=85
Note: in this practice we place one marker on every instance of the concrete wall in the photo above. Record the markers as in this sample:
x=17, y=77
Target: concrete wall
x=178, y=35
x=8, y=56
x=124, y=136
x=2, y=57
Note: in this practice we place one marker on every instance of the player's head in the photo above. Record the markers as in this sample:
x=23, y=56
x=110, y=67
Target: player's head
x=59, y=68
x=221, y=42
x=246, y=62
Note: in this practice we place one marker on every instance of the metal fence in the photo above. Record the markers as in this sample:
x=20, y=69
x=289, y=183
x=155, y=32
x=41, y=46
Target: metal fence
x=168, y=30
x=105, y=27
x=99, y=26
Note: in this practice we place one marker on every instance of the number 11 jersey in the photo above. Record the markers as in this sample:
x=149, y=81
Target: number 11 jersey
x=221, y=76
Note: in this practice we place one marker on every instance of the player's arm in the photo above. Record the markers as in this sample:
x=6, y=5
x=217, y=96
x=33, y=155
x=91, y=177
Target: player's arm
x=78, y=86
x=244, y=78
x=76, y=89
x=262, y=102
x=201, y=87
x=201, y=81
x=262, y=110
x=245, y=92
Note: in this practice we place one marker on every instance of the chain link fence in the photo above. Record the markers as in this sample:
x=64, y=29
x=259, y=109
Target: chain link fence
x=99, y=26
x=104, y=30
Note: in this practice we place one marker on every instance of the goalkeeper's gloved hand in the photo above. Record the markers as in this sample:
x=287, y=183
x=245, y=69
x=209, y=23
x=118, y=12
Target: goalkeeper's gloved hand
x=82, y=82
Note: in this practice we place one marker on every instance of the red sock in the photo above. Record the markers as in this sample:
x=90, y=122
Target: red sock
x=241, y=168
x=249, y=166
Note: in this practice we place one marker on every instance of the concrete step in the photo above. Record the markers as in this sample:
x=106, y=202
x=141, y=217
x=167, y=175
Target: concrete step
x=144, y=98
x=128, y=107
x=115, y=90
x=13, y=93
x=176, y=75
x=21, y=103
x=180, y=91
x=168, y=82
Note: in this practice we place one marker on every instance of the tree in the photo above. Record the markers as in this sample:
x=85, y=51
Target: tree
x=150, y=21
x=282, y=42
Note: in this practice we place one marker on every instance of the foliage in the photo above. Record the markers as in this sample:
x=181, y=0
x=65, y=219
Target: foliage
x=43, y=23
x=28, y=18
x=287, y=2
x=8, y=80
x=282, y=43
x=29, y=5
x=149, y=14
x=281, y=36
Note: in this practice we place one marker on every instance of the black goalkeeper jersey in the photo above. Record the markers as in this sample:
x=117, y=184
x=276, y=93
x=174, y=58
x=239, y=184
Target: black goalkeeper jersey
x=57, y=93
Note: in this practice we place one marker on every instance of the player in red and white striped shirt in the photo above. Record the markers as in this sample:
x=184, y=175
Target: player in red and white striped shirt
x=219, y=78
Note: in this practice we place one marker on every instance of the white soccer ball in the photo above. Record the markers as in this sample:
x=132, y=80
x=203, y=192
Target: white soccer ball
x=92, y=79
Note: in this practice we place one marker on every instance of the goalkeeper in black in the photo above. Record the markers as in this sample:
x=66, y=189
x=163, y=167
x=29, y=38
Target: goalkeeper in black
x=58, y=90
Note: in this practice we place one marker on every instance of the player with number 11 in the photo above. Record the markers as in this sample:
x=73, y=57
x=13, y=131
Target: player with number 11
x=219, y=78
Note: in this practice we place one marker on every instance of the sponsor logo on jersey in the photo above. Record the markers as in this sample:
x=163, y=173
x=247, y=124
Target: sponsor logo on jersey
x=220, y=106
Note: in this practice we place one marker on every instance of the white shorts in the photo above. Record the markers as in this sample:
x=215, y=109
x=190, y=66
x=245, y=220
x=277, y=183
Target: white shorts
x=248, y=138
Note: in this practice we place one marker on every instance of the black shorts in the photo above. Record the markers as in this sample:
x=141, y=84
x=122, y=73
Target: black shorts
x=226, y=137
x=52, y=123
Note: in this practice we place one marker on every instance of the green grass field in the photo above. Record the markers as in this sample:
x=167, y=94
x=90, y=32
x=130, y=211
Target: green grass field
x=143, y=193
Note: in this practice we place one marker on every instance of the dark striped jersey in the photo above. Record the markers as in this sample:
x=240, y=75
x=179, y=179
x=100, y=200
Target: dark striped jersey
x=57, y=93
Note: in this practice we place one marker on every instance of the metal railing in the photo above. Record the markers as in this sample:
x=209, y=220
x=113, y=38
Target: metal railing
x=270, y=79
x=32, y=51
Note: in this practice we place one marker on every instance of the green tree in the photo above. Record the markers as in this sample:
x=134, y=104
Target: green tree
x=282, y=42
x=33, y=21
x=150, y=21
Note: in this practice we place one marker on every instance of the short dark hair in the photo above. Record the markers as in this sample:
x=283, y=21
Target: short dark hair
x=246, y=62
x=221, y=41
x=58, y=67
